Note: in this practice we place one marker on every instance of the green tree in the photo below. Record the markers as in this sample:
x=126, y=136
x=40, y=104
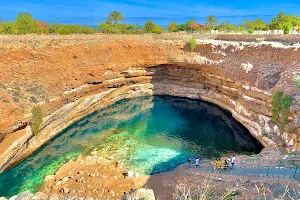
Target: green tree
x=172, y=27
x=149, y=26
x=53, y=28
x=227, y=27
x=255, y=25
x=115, y=16
x=211, y=22
x=106, y=27
x=189, y=23
x=182, y=27
x=25, y=23
x=274, y=24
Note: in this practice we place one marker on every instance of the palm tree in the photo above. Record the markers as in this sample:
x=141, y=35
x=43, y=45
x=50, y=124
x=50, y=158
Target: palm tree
x=211, y=21
x=115, y=16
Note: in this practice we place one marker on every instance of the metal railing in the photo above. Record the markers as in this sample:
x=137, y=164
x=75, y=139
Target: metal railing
x=278, y=168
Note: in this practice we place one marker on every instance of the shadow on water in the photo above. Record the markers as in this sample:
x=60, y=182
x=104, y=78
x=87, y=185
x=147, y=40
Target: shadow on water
x=149, y=135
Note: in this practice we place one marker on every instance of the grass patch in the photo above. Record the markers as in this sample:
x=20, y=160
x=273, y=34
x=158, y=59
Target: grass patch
x=37, y=119
x=286, y=102
x=292, y=154
x=276, y=98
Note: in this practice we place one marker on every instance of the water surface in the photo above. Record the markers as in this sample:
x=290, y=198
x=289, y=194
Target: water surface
x=149, y=135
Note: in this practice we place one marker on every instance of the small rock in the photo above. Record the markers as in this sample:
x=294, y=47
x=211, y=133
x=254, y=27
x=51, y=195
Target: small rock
x=140, y=194
x=136, y=175
x=93, y=153
x=130, y=173
x=40, y=196
x=65, y=179
x=58, y=183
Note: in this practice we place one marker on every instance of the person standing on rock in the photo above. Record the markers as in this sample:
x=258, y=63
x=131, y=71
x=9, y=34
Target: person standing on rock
x=232, y=161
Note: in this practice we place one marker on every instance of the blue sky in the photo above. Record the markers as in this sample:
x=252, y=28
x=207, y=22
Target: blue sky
x=160, y=11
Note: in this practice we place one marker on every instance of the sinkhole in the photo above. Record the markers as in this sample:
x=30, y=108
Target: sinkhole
x=148, y=134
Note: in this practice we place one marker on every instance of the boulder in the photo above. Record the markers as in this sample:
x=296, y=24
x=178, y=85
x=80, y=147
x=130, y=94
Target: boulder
x=13, y=197
x=24, y=195
x=48, y=178
x=140, y=194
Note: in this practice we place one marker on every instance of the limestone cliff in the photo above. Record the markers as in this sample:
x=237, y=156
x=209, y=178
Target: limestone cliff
x=71, y=77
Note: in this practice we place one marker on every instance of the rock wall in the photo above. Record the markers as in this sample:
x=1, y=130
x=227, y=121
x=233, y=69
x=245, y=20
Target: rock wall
x=240, y=77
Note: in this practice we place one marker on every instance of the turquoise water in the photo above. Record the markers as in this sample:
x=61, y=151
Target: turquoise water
x=149, y=135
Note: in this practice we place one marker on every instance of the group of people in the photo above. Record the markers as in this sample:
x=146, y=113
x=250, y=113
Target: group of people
x=217, y=164
x=225, y=165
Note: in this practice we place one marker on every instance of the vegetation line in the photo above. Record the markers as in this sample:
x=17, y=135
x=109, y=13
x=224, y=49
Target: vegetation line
x=26, y=24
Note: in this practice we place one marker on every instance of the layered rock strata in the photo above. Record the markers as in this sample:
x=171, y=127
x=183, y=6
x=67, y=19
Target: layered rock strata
x=240, y=77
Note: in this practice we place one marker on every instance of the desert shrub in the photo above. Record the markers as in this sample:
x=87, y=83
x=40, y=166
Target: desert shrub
x=286, y=102
x=192, y=44
x=276, y=99
x=8, y=28
x=37, y=119
x=75, y=57
x=296, y=80
x=5, y=101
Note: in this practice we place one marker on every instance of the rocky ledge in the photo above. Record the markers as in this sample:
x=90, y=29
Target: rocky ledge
x=238, y=76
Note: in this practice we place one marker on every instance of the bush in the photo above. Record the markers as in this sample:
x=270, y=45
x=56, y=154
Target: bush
x=37, y=119
x=192, y=44
x=172, y=27
x=8, y=28
x=286, y=102
x=75, y=57
x=276, y=99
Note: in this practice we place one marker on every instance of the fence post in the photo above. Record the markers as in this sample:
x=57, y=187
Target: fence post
x=268, y=171
x=295, y=172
